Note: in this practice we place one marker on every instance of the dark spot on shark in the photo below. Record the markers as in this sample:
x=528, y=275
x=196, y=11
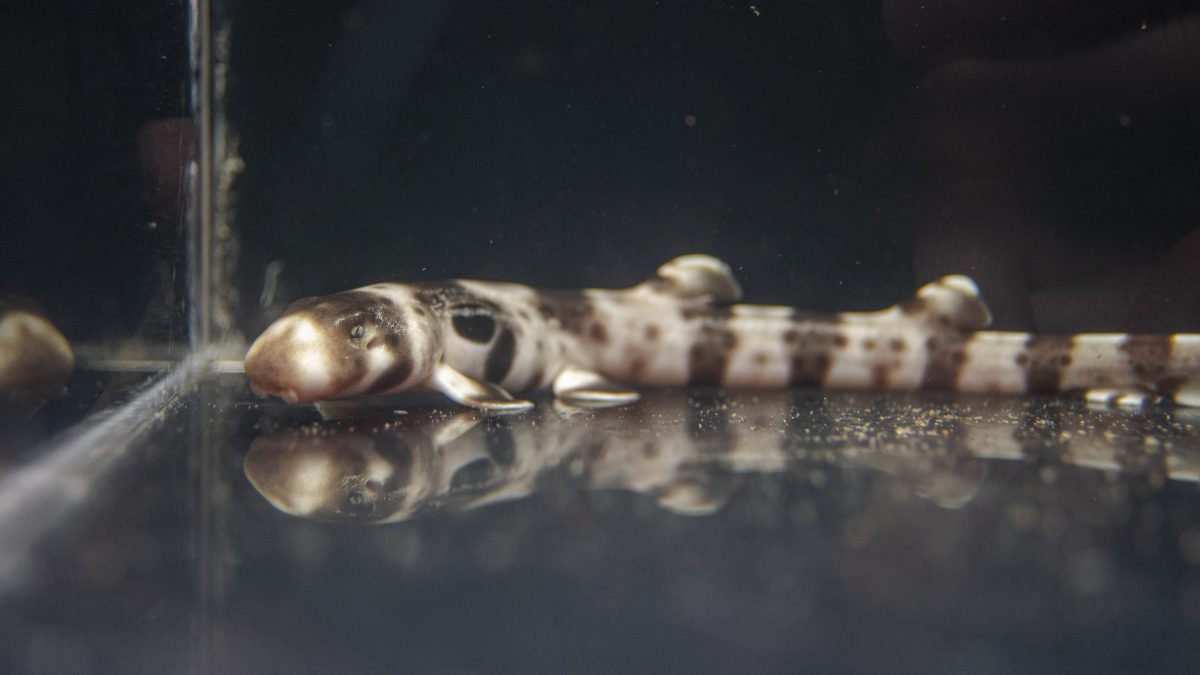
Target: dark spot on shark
x=946, y=355
x=394, y=376
x=811, y=354
x=500, y=358
x=880, y=374
x=708, y=356
x=636, y=367
x=1148, y=355
x=571, y=309
x=809, y=369
x=1049, y=355
x=476, y=327
x=597, y=333
x=706, y=364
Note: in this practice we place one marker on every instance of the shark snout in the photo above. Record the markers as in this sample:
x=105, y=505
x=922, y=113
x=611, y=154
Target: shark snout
x=295, y=371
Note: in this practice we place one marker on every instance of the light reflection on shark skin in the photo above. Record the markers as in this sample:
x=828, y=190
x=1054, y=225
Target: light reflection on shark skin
x=688, y=453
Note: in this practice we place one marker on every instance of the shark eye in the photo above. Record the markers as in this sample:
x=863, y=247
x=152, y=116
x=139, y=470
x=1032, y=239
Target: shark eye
x=358, y=332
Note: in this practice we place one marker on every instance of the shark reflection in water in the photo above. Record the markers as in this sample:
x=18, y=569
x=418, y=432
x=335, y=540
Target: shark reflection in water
x=688, y=452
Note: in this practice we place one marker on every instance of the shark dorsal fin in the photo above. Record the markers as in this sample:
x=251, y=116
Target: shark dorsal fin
x=699, y=277
x=952, y=301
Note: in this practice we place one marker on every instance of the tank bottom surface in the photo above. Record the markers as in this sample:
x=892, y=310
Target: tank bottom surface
x=692, y=531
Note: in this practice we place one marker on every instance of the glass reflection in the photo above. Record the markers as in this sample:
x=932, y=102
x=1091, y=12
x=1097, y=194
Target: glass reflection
x=688, y=453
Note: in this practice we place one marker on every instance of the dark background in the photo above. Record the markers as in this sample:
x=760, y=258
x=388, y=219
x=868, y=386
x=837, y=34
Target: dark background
x=549, y=142
x=836, y=154
x=93, y=147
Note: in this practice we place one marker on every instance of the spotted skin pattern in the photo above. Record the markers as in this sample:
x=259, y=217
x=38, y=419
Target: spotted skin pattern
x=477, y=341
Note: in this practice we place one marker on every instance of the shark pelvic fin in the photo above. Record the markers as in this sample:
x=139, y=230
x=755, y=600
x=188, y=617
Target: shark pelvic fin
x=585, y=389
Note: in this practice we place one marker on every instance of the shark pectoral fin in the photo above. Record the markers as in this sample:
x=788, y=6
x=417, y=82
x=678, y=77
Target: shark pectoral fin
x=953, y=301
x=471, y=392
x=585, y=389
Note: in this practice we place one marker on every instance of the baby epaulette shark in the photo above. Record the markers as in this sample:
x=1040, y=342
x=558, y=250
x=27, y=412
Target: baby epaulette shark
x=477, y=341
